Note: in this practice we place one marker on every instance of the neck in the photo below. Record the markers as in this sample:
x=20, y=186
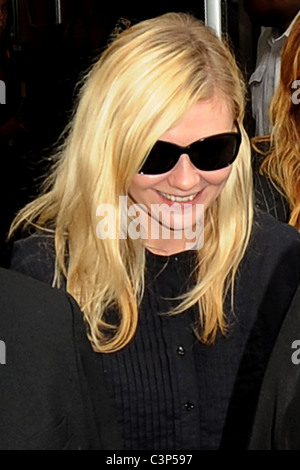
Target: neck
x=172, y=245
x=161, y=248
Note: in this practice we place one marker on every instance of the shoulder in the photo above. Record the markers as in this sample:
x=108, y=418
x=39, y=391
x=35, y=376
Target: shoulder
x=29, y=303
x=37, y=242
x=53, y=395
x=273, y=254
x=276, y=425
x=33, y=313
x=267, y=230
x=41, y=401
x=35, y=256
x=37, y=325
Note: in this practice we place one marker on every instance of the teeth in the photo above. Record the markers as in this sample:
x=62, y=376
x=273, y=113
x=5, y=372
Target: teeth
x=178, y=198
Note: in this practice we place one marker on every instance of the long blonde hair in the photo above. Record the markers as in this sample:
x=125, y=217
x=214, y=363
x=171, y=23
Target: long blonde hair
x=141, y=85
x=282, y=162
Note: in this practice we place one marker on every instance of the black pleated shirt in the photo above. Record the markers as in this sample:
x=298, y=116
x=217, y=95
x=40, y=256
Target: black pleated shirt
x=170, y=391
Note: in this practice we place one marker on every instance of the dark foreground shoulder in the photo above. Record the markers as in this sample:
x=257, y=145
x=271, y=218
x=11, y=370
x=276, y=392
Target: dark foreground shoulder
x=35, y=256
x=272, y=267
x=277, y=424
x=266, y=284
x=19, y=293
x=39, y=382
x=52, y=392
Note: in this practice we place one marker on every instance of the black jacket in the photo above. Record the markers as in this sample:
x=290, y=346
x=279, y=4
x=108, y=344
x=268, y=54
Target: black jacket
x=277, y=421
x=48, y=377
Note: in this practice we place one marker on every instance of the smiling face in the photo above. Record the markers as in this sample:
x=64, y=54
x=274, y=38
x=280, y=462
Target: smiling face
x=184, y=184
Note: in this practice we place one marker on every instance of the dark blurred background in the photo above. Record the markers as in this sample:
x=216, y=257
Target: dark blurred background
x=45, y=49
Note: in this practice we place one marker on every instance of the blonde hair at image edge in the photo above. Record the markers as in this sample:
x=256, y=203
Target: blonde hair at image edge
x=282, y=164
x=144, y=81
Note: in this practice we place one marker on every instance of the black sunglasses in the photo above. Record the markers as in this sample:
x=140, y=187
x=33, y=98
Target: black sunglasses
x=208, y=154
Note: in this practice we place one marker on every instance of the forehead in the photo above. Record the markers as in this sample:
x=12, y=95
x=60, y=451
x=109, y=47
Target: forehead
x=3, y=3
x=204, y=118
x=212, y=109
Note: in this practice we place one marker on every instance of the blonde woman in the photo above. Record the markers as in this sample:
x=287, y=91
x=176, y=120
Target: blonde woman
x=278, y=159
x=147, y=221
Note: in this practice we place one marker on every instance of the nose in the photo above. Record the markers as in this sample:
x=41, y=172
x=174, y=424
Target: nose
x=184, y=175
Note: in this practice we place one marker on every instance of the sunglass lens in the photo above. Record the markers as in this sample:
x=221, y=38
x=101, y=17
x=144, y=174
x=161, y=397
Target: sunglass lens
x=161, y=159
x=215, y=153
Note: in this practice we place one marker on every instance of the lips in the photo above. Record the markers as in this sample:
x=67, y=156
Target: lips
x=173, y=198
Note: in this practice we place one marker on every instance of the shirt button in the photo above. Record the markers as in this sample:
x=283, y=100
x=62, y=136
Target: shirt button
x=181, y=351
x=189, y=406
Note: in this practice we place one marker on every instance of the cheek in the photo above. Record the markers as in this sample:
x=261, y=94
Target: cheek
x=137, y=185
x=216, y=178
x=143, y=182
x=215, y=182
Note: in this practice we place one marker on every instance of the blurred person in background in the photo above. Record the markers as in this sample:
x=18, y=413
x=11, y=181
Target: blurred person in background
x=276, y=18
x=276, y=159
